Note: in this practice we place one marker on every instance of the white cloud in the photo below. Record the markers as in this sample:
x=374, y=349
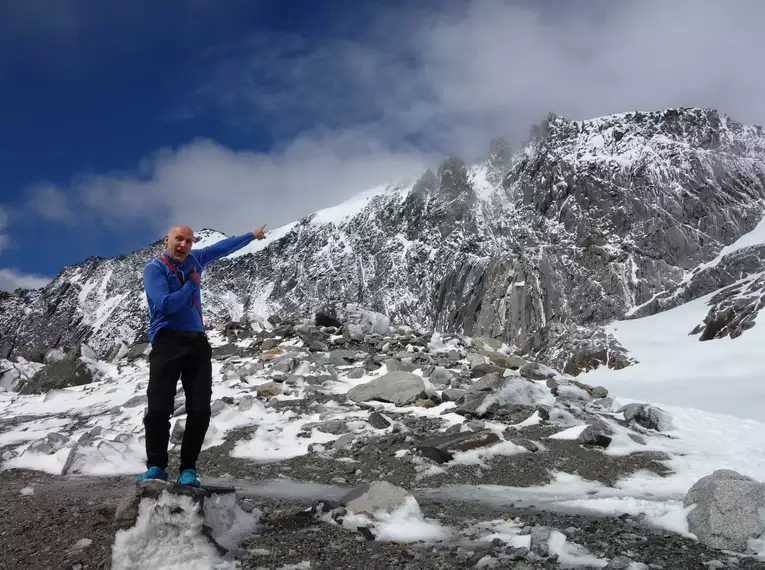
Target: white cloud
x=205, y=184
x=12, y=279
x=422, y=82
x=50, y=203
x=458, y=74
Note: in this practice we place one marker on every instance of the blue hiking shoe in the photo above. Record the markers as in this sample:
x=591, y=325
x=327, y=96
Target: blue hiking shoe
x=188, y=477
x=153, y=473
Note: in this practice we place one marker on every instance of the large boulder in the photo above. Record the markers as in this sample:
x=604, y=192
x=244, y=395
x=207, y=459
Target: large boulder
x=399, y=387
x=441, y=449
x=376, y=497
x=359, y=322
x=650, y=417
x=57, y=375
x=729, y=510
x=492, y=393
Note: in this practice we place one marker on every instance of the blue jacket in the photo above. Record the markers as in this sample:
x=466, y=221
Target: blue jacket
x=172, y=304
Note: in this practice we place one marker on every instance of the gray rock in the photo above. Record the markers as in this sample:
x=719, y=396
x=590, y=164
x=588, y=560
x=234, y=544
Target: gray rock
x=619, y=563
x=269, y=389
x=599, y=392
x=318, y=346
x=245, y=403
x=595, y=435
x=177, y=434
x=217, y=407
x=371, y=498
x=540, y=537
x=137, y=350
x=730, y=510
x=492, y=393
x=442, y=449
x=310, y=334
x=440, y=376
x=343, y=441
x=58, y=375
x=452, y=394
x=335, y=427
x=135, y=401
x=395, y=365
x=269, y=343
x=481, y=370
x=650, y=417
x=400, y=388
x=356, y=373
x=285, y=365
x=378, y=421
x=50, y=444
x=536, y=371
x=54, y=355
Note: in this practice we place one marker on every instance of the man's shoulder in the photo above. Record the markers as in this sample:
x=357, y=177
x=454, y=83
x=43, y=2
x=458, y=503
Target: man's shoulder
x=153, y=262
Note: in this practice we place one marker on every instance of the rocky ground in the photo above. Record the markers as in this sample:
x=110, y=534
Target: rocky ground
x=67, y=522
x=407, y=415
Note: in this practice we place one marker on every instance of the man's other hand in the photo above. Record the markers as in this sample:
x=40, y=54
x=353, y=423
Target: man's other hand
x=260, y=232
x=195, y=276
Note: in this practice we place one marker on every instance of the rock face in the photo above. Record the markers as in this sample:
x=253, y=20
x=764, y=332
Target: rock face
x=590, y=220
x=729, y=510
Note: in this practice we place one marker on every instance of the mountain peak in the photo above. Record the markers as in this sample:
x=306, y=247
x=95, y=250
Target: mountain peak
x=591, y=219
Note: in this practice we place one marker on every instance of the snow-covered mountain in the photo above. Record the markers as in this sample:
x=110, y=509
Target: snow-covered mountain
x=590, y=221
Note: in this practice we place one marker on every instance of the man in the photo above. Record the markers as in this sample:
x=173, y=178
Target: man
x=180, y=348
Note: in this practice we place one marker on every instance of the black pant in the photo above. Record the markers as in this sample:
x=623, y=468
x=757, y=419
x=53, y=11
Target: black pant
x=175, y=354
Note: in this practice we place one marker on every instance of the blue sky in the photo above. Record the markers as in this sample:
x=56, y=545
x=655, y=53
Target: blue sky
x=118, y=121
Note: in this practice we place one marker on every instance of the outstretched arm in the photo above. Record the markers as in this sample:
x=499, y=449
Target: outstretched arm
x=226, y=246
x=158, y=290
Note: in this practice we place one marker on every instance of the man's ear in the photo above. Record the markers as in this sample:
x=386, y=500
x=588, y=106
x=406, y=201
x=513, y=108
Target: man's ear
x=165, y=240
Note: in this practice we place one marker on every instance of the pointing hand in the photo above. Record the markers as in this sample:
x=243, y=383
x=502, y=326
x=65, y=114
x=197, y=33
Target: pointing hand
x=260, y=232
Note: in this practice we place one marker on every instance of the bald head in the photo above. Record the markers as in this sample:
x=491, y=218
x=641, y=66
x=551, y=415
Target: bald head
x=178, y=241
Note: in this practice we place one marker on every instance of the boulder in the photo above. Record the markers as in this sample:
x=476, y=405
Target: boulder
x=137, y=350
x=490, y=394
x=536, y=371
x=729, y=510
x=57, y=375
x=441, y=449
x=399, y=388
x=376, y=497
x=650, y=417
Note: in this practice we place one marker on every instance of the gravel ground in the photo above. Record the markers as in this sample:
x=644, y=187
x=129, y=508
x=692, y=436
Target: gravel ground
x=42, y=530
x=374, y=458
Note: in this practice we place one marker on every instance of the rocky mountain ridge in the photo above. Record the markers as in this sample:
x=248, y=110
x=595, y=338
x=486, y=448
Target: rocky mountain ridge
x=590, y=221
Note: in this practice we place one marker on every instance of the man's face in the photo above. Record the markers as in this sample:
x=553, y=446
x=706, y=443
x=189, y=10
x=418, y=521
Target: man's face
x=179, y=241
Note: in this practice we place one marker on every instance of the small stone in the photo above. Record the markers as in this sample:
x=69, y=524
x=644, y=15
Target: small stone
x=378, y=421
x=356, y=373
x=619, y=563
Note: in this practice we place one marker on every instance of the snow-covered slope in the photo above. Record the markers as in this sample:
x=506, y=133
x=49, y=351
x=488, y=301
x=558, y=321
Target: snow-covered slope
x=721, y=375
x=590, y=220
